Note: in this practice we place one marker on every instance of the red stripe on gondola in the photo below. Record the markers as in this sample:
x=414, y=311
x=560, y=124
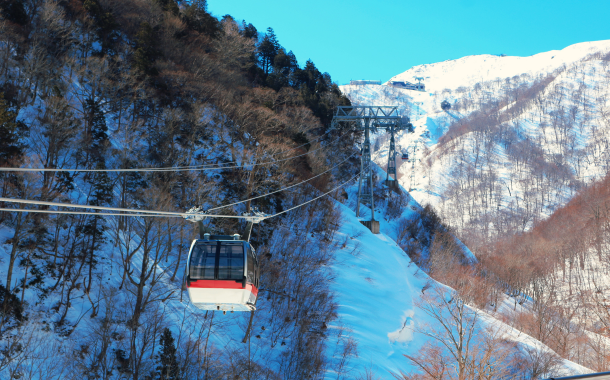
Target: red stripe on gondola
x=222, y=284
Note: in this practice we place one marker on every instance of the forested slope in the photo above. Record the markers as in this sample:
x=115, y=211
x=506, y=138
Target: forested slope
x=105, y=84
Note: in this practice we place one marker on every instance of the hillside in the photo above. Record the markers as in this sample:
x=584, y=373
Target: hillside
x=507, y=155
x=158, y=106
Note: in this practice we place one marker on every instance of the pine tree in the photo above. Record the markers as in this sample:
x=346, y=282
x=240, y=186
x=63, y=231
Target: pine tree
x=268, y=49
x=249, y=30
x=197, y=18
x=167, y=368
x=97, y=131
x=146, y=51
x=10, y=129
x=107, y=28
x=14, y=10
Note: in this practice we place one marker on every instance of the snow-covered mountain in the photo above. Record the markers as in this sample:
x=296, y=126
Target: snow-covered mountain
x=552, y=105
x=523, y=135
x=468, y=71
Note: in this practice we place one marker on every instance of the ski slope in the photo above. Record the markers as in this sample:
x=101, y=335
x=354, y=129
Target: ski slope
x=379, y=288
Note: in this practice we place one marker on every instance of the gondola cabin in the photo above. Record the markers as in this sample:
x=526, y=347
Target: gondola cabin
x=405, y=156
x=222, y=273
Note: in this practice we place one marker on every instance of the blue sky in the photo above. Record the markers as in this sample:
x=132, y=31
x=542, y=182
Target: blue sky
x=361, y=39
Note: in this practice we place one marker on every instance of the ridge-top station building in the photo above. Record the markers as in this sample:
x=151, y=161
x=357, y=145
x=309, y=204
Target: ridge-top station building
x=419, y=86
x=364, y=82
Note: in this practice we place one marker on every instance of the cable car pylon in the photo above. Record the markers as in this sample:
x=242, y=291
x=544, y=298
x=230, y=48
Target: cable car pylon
x=367, y=119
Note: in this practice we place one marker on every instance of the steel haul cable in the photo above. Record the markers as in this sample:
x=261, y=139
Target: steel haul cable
x=282, y=189
x=135, y=212
x=171, y=169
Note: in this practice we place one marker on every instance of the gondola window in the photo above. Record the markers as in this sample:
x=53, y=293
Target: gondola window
x=203, y=262
x=231, y=262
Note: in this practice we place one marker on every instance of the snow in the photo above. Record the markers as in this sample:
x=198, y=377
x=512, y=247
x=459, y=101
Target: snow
x=469, y=70
x=379, y=287
x=376, y=284
x=386, y=334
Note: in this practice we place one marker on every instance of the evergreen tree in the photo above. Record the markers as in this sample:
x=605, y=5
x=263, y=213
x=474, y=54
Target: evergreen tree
x=167, y=368
x=146, y=52
x=268, y=49
x=249, y=31
x=97, y=131
x=445, y=105
x=107, y=28
x=13, y=10
x=197, y=18
x=169, y=6
x=10, y=129
x=11, y=309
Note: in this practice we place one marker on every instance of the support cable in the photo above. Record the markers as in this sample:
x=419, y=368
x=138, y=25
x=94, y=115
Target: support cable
x=135, y=212
x=158, y=213
x=282, y=189
x=311, y=200
x=82, y=212
x=173, y=168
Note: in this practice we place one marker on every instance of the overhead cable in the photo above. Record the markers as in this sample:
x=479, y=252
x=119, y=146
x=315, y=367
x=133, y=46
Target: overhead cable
x=311, y=200
x=135, y=212
x=158, y=213
x=282, y=189
x=171, y=168
x=82, y=212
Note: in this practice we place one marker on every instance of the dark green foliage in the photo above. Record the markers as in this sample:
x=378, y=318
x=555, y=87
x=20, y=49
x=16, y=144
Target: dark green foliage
x=13, y=10
x=196, y=16
x=268, y=49
x=10, y=307
x=11, y=147
x=445, y=106
x=430, y=220
x=102, y=187
x=249, y=31
x=169, y=6
x=107, y=28
x=285, y=66
x=97, y=131
x=101, y=194
x=315, y=87
x=146, y=52
x=122, y=360
x=301, y=139
x=167, y=368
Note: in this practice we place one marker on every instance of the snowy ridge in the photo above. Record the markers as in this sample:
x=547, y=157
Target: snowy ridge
x=469, y=70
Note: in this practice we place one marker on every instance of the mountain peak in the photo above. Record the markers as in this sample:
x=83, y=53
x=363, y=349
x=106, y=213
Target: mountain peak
x=467, y=71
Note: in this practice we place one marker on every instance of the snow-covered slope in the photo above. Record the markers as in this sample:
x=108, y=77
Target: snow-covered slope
x=469, y=70
x=380, y=292
x=561, y=112
x=522, y=136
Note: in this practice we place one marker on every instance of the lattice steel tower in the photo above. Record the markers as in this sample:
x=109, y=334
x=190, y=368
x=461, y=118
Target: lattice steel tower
x=373, y=118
